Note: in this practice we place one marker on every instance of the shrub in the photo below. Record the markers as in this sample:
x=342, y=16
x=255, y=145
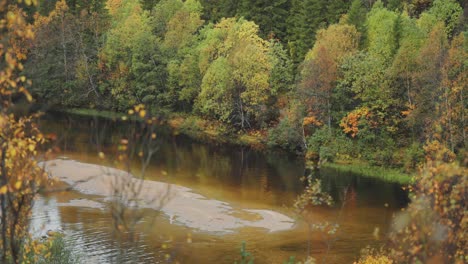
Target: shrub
x=413, y=156
x=433, y=228
x=372, y=256
x=286, y=135
x=54, y=250
x=329, y=145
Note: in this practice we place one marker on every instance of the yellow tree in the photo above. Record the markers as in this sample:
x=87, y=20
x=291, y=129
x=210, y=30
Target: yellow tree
x=20, y=176
x=235, y=65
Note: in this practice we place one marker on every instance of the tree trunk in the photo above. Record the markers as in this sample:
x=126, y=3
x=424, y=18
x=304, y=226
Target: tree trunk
x=64, y=46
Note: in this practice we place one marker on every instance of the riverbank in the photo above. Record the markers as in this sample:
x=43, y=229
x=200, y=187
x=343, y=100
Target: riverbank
x=207, y=131
x=214, y=132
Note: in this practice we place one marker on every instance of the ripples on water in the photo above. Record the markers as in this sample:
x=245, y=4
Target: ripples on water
x=88, y=233
x=244, y=178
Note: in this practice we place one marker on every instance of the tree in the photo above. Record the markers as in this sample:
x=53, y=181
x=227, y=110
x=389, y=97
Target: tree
x=182, y=26
x=373, y=116
x=63, y=61
x=453, y=104
x=319, y=71
x=427, y=79
x=162, y=13
x=235, y=67
x=382, y=35
x=20, y=176
x=305, y=18
x=270, y=16
x=432, y=229
x=130, y=58
x=449, y=12
x=402, y=70
x=282, y=72
x=54, y=51
x=216, y=98
x=357, y=15
x=180, y=42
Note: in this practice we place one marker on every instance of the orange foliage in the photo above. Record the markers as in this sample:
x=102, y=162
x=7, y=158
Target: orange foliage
x=311, y=120
x=409, y=110
x=350, y=123
x=433, y=228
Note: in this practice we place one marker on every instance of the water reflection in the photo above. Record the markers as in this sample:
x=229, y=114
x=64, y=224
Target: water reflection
x=242, y=177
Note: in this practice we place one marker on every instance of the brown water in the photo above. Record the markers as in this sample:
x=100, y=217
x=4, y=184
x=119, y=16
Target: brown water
x=241, y=177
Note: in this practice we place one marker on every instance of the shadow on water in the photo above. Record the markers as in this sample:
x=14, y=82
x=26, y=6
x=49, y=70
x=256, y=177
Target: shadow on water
x=243, y=177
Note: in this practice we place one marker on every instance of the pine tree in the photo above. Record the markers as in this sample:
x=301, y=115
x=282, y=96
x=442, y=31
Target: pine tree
x=271, y=16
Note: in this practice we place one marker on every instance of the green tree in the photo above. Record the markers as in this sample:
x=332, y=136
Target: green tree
x=404, y=65
x=282, y=72
x=179, y=44
x=65, y=56
x=382, y=34
x=162, y=13
x=270, y=16
x=305, y=18
x=449, y=12
x=236, y=69
x=133, y=67
x=357, y=15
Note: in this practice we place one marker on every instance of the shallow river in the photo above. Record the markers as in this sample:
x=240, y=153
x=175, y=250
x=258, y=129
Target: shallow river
x=241, y=177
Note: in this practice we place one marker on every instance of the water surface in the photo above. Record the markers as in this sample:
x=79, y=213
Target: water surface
x=242, y=177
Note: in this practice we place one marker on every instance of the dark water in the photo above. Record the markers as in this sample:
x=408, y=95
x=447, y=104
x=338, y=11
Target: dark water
x=240, y=176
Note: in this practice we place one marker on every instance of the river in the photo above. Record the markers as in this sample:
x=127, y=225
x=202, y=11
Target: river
x=242, y=177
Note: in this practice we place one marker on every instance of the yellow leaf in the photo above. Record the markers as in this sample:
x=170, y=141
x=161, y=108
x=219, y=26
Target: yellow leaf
x=28, y=96
x=3, y=189
x=18, y=185
x=142, y=113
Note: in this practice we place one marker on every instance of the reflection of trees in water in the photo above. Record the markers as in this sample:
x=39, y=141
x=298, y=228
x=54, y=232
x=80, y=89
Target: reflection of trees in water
x=367, y=191
x=128, y=146
x=223, y=166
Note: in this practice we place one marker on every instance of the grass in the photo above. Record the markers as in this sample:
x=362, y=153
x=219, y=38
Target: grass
x=53, y=250
x=93, y=112
x=387, y=174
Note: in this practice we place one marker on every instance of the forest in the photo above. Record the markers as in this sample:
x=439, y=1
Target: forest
x=338, y=80
x=375, y=82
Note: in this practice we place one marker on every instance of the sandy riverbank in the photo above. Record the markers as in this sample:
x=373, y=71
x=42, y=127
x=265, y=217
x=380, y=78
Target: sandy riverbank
x=180, y=204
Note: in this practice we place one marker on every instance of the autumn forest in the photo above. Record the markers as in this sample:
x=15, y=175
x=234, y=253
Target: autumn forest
x=376, y=87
